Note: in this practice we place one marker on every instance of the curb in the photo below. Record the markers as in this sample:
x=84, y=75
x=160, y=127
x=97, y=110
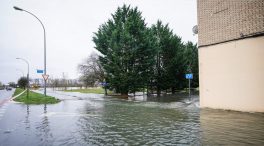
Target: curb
x=12, y=98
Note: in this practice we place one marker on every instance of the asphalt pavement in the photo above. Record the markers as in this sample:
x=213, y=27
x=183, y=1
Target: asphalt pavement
x=5, y=95
x=4, y=98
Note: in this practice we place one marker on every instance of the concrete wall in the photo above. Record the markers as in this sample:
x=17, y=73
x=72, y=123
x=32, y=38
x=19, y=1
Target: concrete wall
x=231, y=75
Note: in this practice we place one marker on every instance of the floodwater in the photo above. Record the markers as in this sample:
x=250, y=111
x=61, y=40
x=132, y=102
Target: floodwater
x=92, y=119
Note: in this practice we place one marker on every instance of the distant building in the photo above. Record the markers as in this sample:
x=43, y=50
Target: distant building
x=231, y=54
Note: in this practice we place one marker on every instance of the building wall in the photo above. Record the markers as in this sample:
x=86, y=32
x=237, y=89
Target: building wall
x=231, y=54
x=224, y=20
x=232, y=75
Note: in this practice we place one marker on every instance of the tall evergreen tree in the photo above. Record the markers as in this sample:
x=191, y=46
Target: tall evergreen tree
x=191, y=61
x=162, y=35
x=175, y=65
x=169, y=69
x=127, y=51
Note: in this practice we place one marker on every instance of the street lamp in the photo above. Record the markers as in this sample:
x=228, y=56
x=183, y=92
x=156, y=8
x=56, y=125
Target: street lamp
x=27, y=74
x=45, y=71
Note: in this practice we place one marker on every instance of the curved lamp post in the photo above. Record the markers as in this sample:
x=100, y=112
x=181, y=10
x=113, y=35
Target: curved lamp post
x=27, y=74
x=19, y=9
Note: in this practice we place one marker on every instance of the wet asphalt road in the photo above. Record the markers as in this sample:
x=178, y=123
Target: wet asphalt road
x=4, y=95
x=4, y=98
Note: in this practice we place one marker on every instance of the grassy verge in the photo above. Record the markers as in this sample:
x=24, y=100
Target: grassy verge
x=34, y=98
x=17, y=91
x=89, y=90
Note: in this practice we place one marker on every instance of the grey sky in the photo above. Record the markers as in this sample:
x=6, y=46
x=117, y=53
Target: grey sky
x=70, y=25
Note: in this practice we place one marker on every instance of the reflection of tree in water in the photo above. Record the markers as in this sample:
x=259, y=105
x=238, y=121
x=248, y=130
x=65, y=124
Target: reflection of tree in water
x=44, y=131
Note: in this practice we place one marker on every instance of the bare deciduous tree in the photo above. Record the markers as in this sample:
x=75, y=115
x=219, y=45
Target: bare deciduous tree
x=91, y=71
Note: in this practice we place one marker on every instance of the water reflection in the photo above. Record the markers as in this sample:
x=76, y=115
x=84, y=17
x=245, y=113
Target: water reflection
x=137, y=123
x=43, y=129
x=98, y=120
x=27, y=121
x=231, y=128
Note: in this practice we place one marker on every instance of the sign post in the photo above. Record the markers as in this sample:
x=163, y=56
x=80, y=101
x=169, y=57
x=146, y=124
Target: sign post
x=105, y=84
x=189, y=77
x=45, y=77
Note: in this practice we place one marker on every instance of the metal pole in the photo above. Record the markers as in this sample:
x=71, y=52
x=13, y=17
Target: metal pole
x=45, y=69
x=105, y=90
x=28, y=79
x=27, y=85
x=189, y=88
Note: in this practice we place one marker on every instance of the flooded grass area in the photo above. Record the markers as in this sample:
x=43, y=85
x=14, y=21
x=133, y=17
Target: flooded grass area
x=92, y=119
x=87, y=90
x=34, y=98
x=90, y=90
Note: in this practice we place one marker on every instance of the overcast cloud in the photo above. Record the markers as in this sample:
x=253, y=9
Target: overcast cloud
x=70, y=25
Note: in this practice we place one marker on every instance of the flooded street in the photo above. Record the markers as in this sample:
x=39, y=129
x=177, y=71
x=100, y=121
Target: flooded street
x=92, y=119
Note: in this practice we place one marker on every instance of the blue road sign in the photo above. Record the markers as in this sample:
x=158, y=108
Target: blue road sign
x=40, y=71
x=189, y=76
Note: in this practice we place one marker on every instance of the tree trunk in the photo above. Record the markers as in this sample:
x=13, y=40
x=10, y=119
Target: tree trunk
x=105, y=90
x=158, y=91
x=124, y=94
x=147, y=90
x=151, y=88
x=173, y=90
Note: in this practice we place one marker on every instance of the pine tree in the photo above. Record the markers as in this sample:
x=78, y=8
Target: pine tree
x=162, y=35
x=191, y=61
x=169, y=69
x=127, y=51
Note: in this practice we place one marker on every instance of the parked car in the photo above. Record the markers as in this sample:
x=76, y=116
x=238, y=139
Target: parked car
x=2, y=87
x=8, y=88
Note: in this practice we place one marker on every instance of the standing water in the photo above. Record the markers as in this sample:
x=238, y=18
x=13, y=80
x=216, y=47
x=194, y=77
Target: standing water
x=91, y=119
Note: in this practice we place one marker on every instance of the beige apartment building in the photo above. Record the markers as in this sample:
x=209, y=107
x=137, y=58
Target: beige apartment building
x=231, y=54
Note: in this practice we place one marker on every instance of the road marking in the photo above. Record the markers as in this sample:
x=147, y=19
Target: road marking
x=3, y=106
x=1, y=115
x=3, y=110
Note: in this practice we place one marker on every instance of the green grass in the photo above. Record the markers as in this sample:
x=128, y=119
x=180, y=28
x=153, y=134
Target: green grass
x=17, y=91
x=34, y=98
x=89, y=90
